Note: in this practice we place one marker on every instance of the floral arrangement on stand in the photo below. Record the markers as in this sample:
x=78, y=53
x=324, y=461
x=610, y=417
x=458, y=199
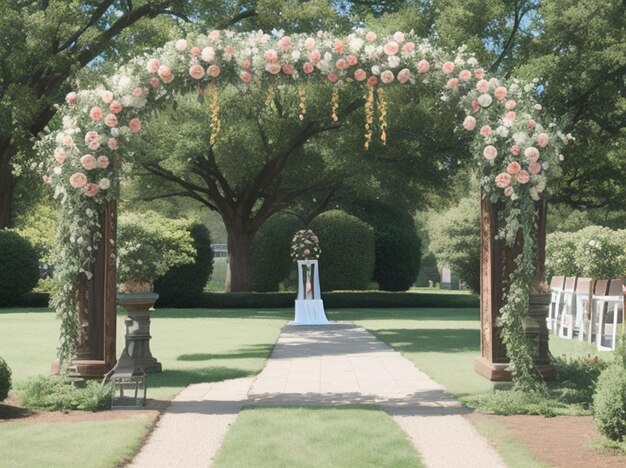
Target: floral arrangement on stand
x=305, y=245
x=517, y=151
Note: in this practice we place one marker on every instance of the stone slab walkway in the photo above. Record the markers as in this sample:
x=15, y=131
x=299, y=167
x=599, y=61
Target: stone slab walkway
x=338, y=364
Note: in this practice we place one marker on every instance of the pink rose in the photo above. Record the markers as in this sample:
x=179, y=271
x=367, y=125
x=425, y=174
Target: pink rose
x=387, y=76
x=509, y=119
x=110, y=120
x=214, y=35
x=500, y=93
x=469, y=123
x=112, y=144
x=229, y=50
x=196, y=51
x=543, y=140
x=309, y=43
x=270, y=56
x=92, y=137
x=479, y=73
x=372, y=81
x=138, y=92
x=482, y=86
x=453, y=83
x=196, y=72
x=103, y=162
x=513, y=168
x=474, y=104
x=332, y=77
x=532, y=124
x=59, y=155
x=490, y=152
x=246, y=64
x=307, y=67
x=245, y=77
x=287, y=69
x=503, y=179
x=398, y=37
x=153, y=65
x=404, y=75
x=514, y=150
x=391, y=48
x=273, y=68
x=339, y=46
x=447, y=67
x=360, y=74
x=264, y=38
x=341, y=64
x=408, y=48
x=523, y=177
x=423, y=66
x=465, y=75
x=284, y=43
x=90, y=190
x=351, y=59
x=166, y=74
x=155, y=82
x=70, y=98
x=508, y=191
x=510, y=104
x=370, y=36
x=47, y=179
x=95, y=113
x=213, y=71
x=78, y=180
x=485, y=130
x=531, y=153
x=315, y=56
x=534, y=167
x=88, y=162
x=115, y=107
x=68, y=140
x=538, y=107
x=107, y=97
x=181, y=44
x=134, y=125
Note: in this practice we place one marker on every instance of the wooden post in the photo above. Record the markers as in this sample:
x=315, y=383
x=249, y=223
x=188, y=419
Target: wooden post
x=95, y=353
x=497, y=263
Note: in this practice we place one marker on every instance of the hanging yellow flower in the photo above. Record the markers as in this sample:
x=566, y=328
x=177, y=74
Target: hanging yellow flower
x=335, y=104
x=211, y=98
x=302, y=94
x=382, y=118
x=369, y=116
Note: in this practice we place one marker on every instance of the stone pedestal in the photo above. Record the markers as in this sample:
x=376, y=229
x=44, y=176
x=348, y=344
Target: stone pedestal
x=138, y=336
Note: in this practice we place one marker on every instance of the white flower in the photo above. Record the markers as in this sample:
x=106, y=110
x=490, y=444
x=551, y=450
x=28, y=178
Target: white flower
x=57, y=170
x=394, y=61
x=295, y=55
x=485, y=100
x=328, y=56
x=355, y=44
x=375, y=70
x=104, y=183
x=502, y=131
x=561, y=157
x=520, y=138
x=472, y=62
x=208, y=54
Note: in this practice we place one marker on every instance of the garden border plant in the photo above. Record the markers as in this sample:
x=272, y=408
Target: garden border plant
x=516, y=154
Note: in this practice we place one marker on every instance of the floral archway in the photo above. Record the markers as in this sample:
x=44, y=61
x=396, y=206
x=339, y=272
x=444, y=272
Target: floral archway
x=516, y=150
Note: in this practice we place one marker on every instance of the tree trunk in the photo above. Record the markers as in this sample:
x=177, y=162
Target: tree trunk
x=7, y=184
x=239, y=270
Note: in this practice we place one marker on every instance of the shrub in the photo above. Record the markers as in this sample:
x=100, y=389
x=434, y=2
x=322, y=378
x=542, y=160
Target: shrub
x=271, y=263
x=561, y=254
x=347, y=260
x=397, y=246
x=39, y=227
x=5, y=379
x=455, y=239
x=600, y=252
x=53, y=393
x=609, y=402
x=19, y=267
x=577, y=380
x=148, y=245
x=182, y=284
x=429, y=273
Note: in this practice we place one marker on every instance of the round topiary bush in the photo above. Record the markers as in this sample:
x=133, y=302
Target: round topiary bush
x=271, y=263
x=183, y=285
x=19, y=267
x=5, y=379
x=609, y=402
x=397, y=246
x=347, y=260
x=429, y=273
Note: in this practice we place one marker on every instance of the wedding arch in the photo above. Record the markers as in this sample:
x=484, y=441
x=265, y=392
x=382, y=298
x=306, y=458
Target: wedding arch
x=516, y=153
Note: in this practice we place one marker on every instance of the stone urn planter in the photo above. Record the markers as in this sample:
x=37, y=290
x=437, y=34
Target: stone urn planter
x=138, y=306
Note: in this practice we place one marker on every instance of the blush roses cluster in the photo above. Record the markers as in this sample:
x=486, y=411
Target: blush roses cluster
x=305, y=245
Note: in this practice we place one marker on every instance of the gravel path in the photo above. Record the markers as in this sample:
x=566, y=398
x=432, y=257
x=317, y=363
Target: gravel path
x=338, y=364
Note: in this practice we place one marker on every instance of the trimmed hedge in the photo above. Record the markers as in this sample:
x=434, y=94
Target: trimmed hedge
x=347, y=259
x=271, y=263
x=5, y=379
x=398, y=249
x=19, y=267
x=609, y=402
x=182, y=284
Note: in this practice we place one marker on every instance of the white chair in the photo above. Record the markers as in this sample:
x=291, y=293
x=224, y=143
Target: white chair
x=556, y=288
x=582, y=295
x=610, y=317
x=565, y=314
x=600, y=289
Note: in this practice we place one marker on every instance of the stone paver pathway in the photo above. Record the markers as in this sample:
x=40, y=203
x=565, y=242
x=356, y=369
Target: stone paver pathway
x=322, y=365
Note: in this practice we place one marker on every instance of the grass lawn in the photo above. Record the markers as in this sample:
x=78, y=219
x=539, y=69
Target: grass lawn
x=312, y=437
x=216, y=283
x=71, y=444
